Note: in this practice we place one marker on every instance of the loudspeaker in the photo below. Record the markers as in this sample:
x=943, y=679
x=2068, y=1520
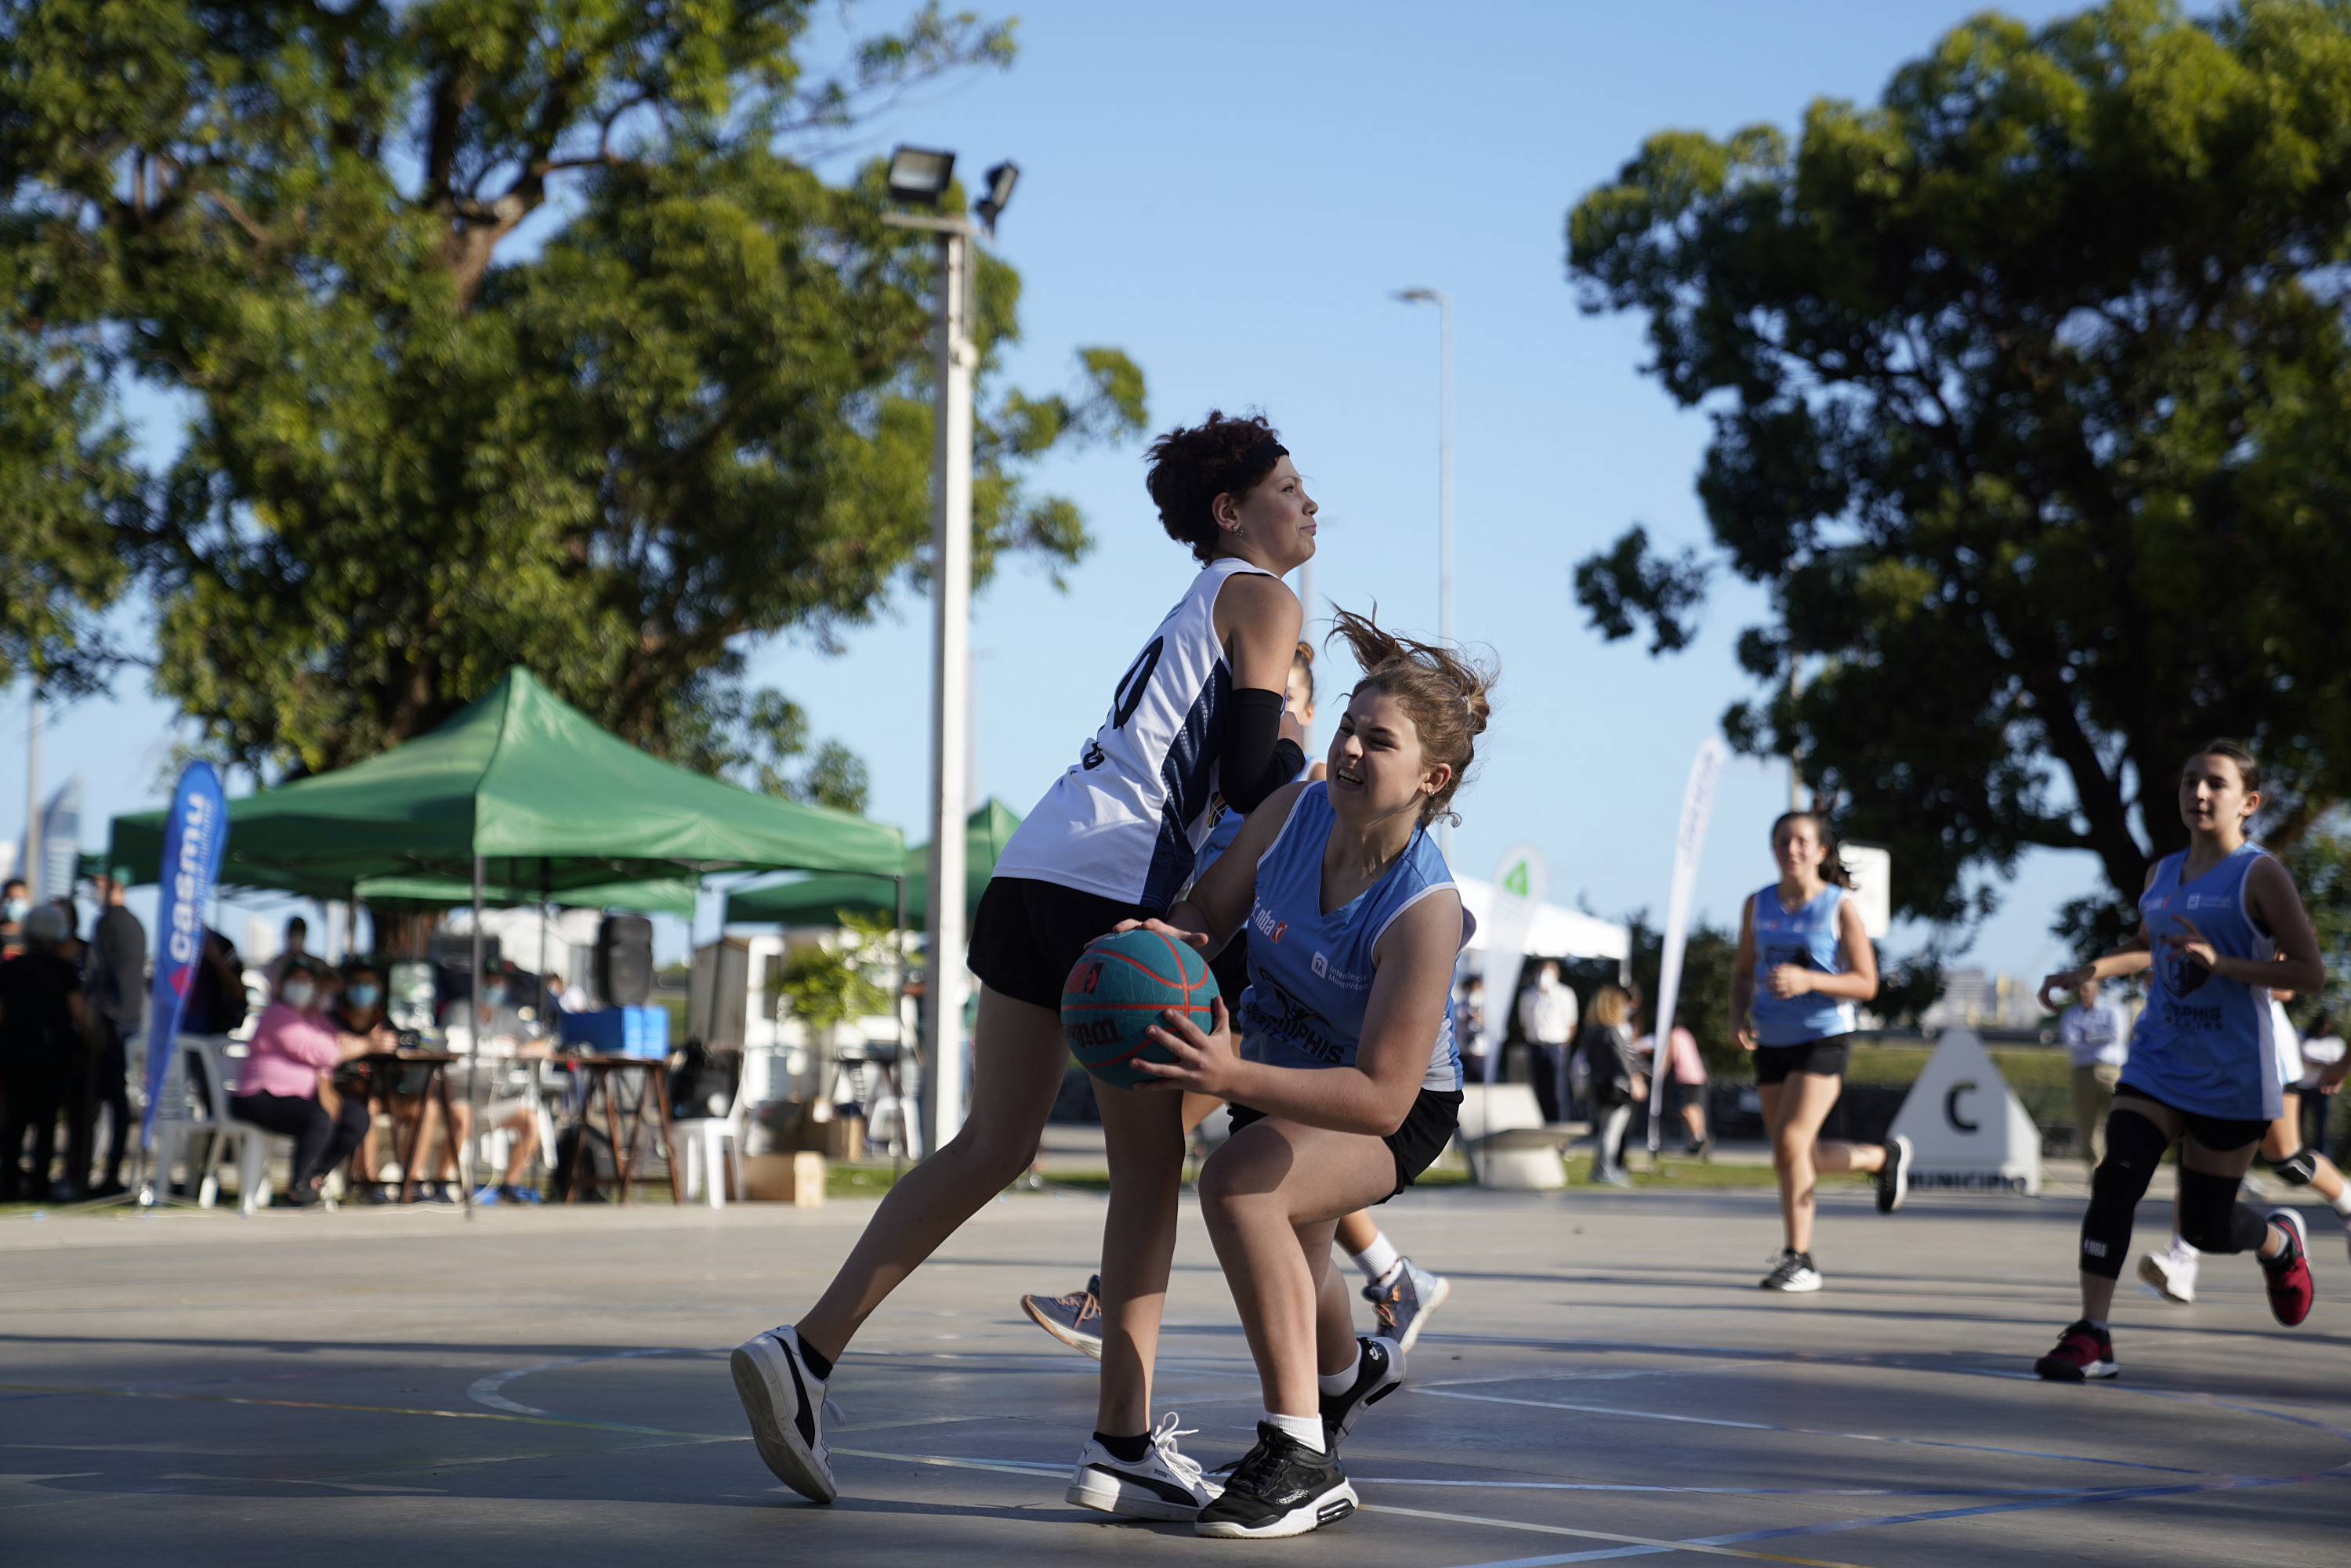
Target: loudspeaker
x=625, y=961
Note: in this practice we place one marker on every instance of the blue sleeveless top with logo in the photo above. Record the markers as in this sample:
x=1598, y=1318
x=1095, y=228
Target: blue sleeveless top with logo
x=1806, y=937
x=2205, y=1042
x=1311, y=973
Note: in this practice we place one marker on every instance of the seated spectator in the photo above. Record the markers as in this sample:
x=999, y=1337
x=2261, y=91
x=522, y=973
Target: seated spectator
x=41, y=1015
x=277, y=1087
x=509, y=1034
x=216, y=1003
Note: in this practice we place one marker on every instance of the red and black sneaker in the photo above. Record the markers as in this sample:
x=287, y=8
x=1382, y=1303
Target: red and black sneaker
x=2083, y=1351
x=2287, y=1275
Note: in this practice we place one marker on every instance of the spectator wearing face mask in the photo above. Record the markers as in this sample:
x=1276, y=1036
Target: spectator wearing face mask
x=277, y=1086
x=15, y=903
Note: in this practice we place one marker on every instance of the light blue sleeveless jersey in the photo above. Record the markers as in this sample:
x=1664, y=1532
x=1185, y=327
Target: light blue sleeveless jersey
x=1806, y=937
x=2205, y=1043
x=1228, y=828
x=1311, y=973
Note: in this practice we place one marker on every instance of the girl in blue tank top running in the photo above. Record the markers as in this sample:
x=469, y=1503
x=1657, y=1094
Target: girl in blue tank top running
x=1344, y=1081
x=1804, y=960
x=2221, y=926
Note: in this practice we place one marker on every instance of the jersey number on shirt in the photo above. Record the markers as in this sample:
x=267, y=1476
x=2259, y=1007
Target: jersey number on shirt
x=1131, y=686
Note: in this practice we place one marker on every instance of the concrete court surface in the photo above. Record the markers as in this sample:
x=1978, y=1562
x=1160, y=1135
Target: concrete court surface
x=550, y=1385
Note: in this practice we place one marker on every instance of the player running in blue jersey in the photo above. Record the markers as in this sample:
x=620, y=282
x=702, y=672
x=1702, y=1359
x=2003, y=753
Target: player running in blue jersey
x=1803, y=960
x=1345, y=1080
x=1197, y=715
x=2214, y=920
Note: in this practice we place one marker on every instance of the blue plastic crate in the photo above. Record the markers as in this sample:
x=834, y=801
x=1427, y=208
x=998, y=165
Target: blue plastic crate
x=619, y=1031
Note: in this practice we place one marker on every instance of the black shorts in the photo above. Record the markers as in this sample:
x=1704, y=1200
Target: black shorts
x=2219, y=1134
x=1026, y=934
x=1427, y=1128
x=1825, y=1056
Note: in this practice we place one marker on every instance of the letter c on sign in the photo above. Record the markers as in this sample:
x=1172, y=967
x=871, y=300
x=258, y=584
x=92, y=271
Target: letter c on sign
x=1951, y=1107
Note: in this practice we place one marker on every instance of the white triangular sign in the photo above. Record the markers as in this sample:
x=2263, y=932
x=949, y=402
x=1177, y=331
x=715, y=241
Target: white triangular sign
x=1968, y=1128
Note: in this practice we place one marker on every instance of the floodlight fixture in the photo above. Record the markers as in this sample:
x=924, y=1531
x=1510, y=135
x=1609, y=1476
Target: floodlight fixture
x=920, y=175
x=1000, y=180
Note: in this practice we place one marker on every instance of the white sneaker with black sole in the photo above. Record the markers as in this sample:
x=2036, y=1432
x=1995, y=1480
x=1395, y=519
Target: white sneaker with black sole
x=786, y=1406
x=1279, y=1487
x=1404, y=1306
x=1792, y=1273
x=1893, y=1176
x=1163, y=1484
x=1379, y=1371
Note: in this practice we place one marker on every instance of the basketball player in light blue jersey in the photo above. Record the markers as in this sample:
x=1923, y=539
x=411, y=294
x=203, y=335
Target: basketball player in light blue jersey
x=1403, y=1296
x=1197, y=715
x=2220, y=926
x=1804, y=959
x=1345, y=1082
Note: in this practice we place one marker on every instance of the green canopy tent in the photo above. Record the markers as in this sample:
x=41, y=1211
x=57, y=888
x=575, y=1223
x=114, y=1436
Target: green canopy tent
x=816, y=899
x=523, y=790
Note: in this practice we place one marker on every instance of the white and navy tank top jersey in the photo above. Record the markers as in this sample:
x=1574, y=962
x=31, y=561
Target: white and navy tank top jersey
x=1311, y=973
x=2205, y=1042
x=1806, y=937
x=1128, y=820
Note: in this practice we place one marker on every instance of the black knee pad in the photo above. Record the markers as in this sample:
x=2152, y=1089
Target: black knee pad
x=2210, y=1218
x=2297, y=1168
x=2135, y=1147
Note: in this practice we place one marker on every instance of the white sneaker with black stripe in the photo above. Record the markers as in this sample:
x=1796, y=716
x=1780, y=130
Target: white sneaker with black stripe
x=1163, y=1484
x=786, y=1406
x=1792, y=1273
x=1893, y=1176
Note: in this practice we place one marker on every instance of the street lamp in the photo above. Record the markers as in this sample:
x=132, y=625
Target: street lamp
x=1444, y=303
x=920, y=175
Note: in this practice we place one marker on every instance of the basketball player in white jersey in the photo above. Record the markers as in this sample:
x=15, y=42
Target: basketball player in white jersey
x=1197, y=715
x=2220, y=924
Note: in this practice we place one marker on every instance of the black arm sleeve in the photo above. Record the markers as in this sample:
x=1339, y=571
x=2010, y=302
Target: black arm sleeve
x=1256, y=761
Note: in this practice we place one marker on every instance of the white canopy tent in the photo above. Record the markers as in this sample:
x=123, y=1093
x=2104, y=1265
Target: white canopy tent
x=1557, y=933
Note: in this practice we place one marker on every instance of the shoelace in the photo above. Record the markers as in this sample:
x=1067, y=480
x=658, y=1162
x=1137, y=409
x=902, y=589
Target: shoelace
x=1182, y=1466
x=834, y=1413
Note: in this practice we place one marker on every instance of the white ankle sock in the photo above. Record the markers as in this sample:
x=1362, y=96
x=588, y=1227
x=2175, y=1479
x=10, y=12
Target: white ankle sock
x=2342, y=1201
x=1341, y=1380
x=1376, y=1259
x=1307, y=1429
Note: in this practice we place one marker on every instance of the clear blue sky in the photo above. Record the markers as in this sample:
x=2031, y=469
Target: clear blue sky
x=1231, y=193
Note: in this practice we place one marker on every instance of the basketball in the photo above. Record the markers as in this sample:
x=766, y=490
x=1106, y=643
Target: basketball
x=1119, y=987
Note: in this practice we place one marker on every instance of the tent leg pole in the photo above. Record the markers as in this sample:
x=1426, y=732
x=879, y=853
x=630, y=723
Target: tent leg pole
x=476, y=992
x=904, y=1142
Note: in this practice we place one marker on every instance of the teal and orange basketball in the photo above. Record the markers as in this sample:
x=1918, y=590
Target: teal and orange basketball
x=1118, y=988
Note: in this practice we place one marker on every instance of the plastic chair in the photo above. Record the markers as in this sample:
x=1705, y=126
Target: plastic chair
x=254, y=1144
x=706, y=1140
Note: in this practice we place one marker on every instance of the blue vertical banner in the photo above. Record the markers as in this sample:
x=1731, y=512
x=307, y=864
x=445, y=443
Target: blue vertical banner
x=193, y=837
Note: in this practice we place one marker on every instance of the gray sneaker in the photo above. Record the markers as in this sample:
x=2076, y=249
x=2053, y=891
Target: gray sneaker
x=1075, y=1319
x=1403, y=1306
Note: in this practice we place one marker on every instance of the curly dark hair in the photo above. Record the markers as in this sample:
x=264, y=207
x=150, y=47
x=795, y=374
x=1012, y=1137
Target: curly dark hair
x=1191, y=468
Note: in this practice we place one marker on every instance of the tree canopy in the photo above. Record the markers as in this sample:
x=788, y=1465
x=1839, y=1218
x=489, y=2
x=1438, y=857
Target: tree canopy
x=2031, y=396
x=511, y=330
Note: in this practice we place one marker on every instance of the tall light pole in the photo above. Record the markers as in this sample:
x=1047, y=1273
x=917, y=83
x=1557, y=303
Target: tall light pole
x=922, y=175
x=1444, y=303
x=35, y=851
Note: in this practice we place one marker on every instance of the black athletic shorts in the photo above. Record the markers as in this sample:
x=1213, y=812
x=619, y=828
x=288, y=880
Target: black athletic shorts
x=2218, y=1134
x=1825, y=1056
x=1427, y=1128
x=1026, y=934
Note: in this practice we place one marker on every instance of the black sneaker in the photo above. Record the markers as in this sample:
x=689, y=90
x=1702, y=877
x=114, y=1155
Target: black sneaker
x=1379, y=1371
x=1793, y=1273
x=1280, y=1488
x=1893, y=1176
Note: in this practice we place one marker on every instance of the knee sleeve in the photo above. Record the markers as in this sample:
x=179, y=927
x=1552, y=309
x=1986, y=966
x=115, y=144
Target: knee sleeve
x=2135, y=1147
x=2210, y=1218
x=2297, y=1168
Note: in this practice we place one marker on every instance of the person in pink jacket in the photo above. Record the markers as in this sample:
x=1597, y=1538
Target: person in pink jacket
x=277, y=1083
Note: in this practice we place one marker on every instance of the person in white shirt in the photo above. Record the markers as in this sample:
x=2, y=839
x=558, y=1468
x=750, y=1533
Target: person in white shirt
x=1547, y=1017
x=2097, y=1040
x=2322, y=1047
